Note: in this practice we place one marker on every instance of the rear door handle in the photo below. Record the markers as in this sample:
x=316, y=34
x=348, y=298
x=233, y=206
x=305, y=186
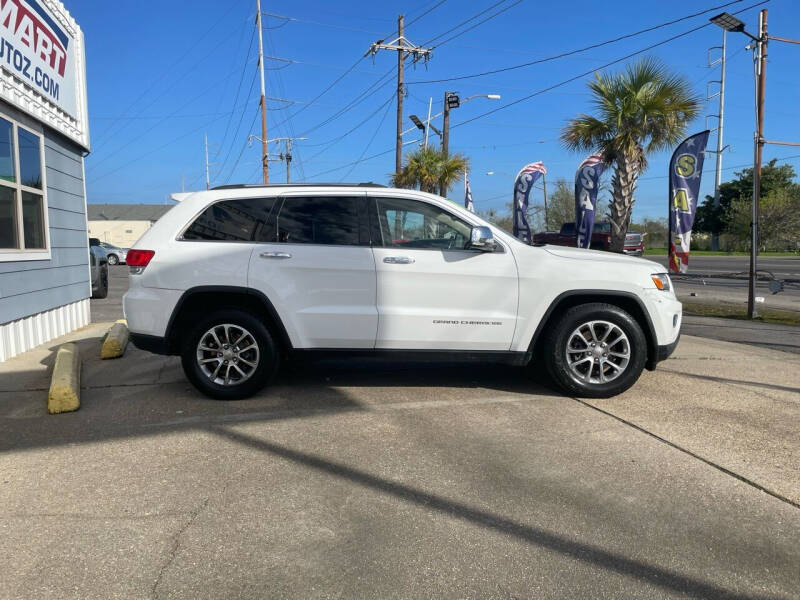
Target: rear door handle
x=398, y=260
x=275, y=255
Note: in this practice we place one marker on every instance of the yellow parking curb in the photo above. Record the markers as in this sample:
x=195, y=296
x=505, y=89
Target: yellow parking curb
x=115, y=341
x=65, y=384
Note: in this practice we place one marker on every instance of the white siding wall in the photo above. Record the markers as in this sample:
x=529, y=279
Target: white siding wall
x=21, y=335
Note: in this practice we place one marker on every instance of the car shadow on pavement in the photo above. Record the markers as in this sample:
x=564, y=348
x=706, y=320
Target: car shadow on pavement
x=140, y=394
x=605, y=559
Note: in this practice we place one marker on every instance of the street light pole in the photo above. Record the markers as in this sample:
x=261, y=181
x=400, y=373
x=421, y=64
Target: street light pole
x=759, y=148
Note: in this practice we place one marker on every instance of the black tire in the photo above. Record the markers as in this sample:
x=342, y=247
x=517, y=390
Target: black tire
x=266, y=363
x=113, y=259
x=102, y=291
x=559, y=335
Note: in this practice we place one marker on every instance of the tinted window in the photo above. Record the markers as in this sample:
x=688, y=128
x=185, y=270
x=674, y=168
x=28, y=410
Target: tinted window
x=318, y=220
x=7, y=151
x=232, y=221
x=414, y=224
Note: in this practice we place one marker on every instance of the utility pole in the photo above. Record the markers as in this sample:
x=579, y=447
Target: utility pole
x=285, y=156
x=404, y=48
x=263, y=94
x=428, y=122
x=208, y=181
x=759, y=147
x=720, y=122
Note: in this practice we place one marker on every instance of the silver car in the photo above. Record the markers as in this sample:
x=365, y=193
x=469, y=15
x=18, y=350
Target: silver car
x=116, y=255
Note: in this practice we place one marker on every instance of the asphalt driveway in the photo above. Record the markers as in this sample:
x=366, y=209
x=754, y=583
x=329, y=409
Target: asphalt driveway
x=362, y=480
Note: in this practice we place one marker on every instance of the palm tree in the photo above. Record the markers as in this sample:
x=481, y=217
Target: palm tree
x=430, y=170
x=642, y=110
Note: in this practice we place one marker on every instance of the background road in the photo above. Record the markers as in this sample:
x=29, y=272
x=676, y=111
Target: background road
x=734, y=290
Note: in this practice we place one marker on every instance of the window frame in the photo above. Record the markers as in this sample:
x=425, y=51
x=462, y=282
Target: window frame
x=27, y=254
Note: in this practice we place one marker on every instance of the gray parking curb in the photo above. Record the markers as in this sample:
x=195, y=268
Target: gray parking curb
x=65, y=384
x=115, y=341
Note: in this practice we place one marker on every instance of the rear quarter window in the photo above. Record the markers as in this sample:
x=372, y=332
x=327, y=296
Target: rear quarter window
x=231, y=221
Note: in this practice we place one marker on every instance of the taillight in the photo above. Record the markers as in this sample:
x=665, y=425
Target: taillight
x=138, y=259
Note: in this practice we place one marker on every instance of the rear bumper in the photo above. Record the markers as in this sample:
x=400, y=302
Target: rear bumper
x=149, y=343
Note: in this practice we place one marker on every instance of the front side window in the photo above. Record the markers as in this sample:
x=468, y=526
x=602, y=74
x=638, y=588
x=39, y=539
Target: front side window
x=232, y=221
x=22, y=199
x=331, y=220
x=407, y=223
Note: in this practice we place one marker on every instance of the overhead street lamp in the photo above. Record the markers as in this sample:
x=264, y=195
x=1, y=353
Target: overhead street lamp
x=452, y=100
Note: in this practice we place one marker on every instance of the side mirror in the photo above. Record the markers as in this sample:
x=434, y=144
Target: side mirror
x=481, y=238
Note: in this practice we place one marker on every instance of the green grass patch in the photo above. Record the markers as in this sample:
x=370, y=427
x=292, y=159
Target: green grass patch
x=736, y=311
x=663, y=252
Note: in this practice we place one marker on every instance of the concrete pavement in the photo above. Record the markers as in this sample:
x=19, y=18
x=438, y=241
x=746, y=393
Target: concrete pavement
x=364, y=480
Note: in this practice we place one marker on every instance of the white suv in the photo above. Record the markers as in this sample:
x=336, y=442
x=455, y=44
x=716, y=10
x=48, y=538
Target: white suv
x=238, y=278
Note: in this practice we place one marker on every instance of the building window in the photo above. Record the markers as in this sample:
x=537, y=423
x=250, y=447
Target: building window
x=23, y=211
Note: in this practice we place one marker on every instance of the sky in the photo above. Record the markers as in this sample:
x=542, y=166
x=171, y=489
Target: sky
x=162, y=75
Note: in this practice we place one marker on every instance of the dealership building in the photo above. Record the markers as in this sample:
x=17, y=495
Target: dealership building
x=44, y=136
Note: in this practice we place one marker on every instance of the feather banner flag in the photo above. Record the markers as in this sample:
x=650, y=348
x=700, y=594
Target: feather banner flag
x=586, y=184
x=523, y=184
x=468, y=194
x=685, y=170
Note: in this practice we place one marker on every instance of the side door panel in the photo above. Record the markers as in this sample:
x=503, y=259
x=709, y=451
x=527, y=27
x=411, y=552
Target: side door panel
x=323, y=291
x=440, y=298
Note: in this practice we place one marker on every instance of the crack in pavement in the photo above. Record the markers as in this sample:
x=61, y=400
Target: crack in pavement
x=177, y=543
x=709, y=462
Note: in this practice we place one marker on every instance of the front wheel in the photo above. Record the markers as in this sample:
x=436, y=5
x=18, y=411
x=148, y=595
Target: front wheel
x=595, y=350
x=229, y=355
x=113, y=259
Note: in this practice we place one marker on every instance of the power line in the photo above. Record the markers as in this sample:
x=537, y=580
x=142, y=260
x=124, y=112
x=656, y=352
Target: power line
x=238, y=91
x=577, y=51
x=608, y=64
x=238, y=126
x=472, y=18
x=372, y=139
x=479, y=23
x=287, y=19
x=175, y=81
x=431, y=9
x=557, y=85
x=238, y=158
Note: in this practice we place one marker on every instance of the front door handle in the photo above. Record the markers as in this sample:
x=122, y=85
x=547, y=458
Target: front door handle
x=275, y=255
x=398, y=260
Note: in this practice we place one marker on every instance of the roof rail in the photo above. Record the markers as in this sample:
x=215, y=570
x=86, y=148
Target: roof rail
x=235, y=186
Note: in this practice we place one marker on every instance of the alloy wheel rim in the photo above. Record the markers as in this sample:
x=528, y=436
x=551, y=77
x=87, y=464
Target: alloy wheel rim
x=228, y=354
x=598, y=352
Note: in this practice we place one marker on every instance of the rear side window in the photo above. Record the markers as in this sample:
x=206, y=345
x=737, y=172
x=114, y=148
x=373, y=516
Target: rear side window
x=331, y=220
x=232, y=221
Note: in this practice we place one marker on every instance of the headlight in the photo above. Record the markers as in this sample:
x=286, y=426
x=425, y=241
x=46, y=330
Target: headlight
x=661, y=281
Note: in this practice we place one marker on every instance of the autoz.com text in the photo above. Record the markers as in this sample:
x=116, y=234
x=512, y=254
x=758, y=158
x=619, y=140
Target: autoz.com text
x=22, y=65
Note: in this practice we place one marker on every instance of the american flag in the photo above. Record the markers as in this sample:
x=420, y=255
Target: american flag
x=468, y=194
x=537, y=166
x=591, y=160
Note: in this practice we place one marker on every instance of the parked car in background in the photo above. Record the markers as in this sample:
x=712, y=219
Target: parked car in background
x=568, y=236
x=98, y=262
x=239, y=278
x=115, y=254
x=634, y=243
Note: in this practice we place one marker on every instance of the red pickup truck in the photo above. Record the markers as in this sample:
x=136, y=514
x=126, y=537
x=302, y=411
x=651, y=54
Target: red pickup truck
x=601, y=236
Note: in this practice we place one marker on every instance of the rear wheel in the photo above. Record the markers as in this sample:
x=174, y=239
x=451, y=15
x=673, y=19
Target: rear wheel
x=229, y=355
x=595, y=350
